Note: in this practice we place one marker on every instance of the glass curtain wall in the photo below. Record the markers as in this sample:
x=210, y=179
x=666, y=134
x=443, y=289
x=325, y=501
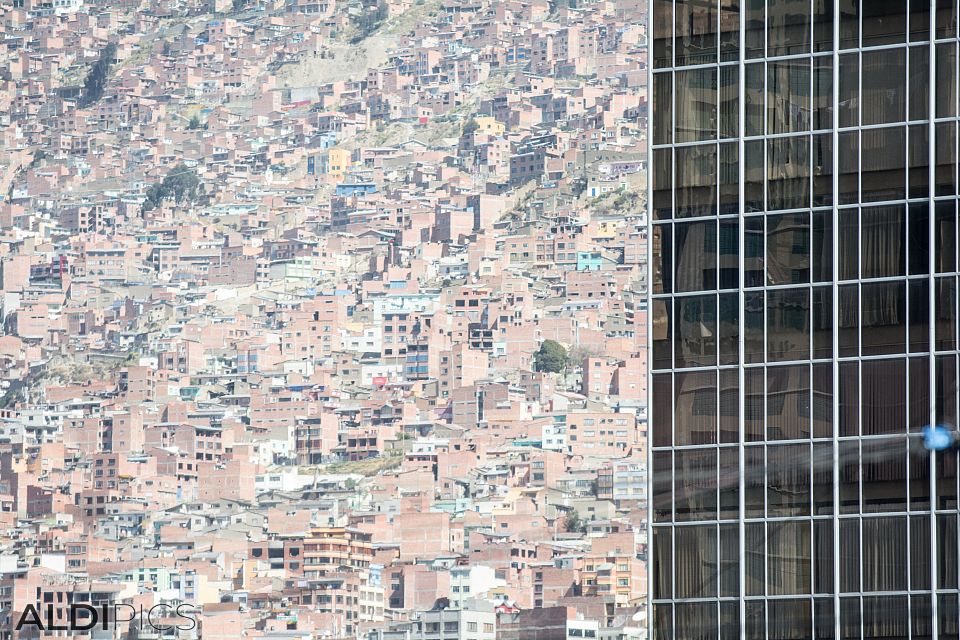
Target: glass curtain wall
x=803, y=239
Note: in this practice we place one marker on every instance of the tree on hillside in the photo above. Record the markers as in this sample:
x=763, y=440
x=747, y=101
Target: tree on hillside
x=96, y=80
x=181, y=184
x=573, y=524
x=194, y=123
x=551, y=357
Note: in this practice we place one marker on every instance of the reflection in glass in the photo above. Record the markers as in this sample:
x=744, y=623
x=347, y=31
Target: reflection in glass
x=788, y=173
x=848, y=320
x=788, y=248
x=696, y=408
x=788, y=494
x=788, y=96
x=662, y=179
x=662, y=108
x=695, y=477
x=695, y=559
x=883, y=163
x=919, y=83
x=696, y=256
x=696, y=104
x=883, y=321
x=696, y=32
x=918, y=161
x=696, y=331
x=884, y=386
x=883, y=79
x=696, y=174
x=788, y=402
x=788, y=324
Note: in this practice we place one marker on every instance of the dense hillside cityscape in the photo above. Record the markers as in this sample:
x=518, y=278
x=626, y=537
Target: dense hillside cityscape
x=324, y=319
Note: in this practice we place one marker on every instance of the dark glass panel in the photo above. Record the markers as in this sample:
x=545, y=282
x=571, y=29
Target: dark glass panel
x=945, y=159
x=729, y=328
x=848, y=321
x=947, y=551
x=696, y=331
x=753, y=166
x=850, y=618
x=918, y=161
x=729, y=274
x=822, y=400
x=823, y=93
x=729, y=489
x=729, y=30
x=945, y=310
x=788, y=248
x=788, y=491
x=884, y=22
x=662, y=179
x=662, y=33
x=884, y=384
x=788, y=27
x=882, y=247
x=822, y=246
x=788, y=96
x=884, y=475
x=848, y=167
x=662, y=486
x=662, y=108
x=696, y=256
x=662, y=568
x=755, y=578
x=755, y=622
x=883, y=164
x=946, y=19
x=918, y=481
x=753, y=404
x=823, y=556
x=945, y=236
x=849, y=24
x=696, y=32
x=754, y=481
x=921, y=617
x=822, y=25
x=920, y=552
x=849, y=399
x=946, y=481
x=822, y=158
x=919, y=393
x=849, y=105
x=696, y=104
x=823, y=619
x=753, y=99
x=788, y=402
x=919, y=243
x=822, y=322
x=849, y=464
x=754, y=28
x=948, y=617
x=729, y=560
x=662, y=392
x=729, y=101
x=789, y=619
x=729, y=405
x=696, y=174
x=849, y=555
x=919, y=20
x=729, y=621
x=919, y=83
x=695, y=410
x=945, y=402
x=883, y=318
x=663, y=622
x=695, y=561
x=662, y=259
x=885, y=617
x=822, y=471
x=662, y=348
x=919, y=316
x=696, y=619
x=883, y=83
x=753, y=341
x=729, y=179
x=788, y=173
x=753, y=254
x=788, y=325
x=695, y=484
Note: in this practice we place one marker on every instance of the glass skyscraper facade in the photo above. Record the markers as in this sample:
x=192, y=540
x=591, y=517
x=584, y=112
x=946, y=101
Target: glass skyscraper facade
x=803, y=304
